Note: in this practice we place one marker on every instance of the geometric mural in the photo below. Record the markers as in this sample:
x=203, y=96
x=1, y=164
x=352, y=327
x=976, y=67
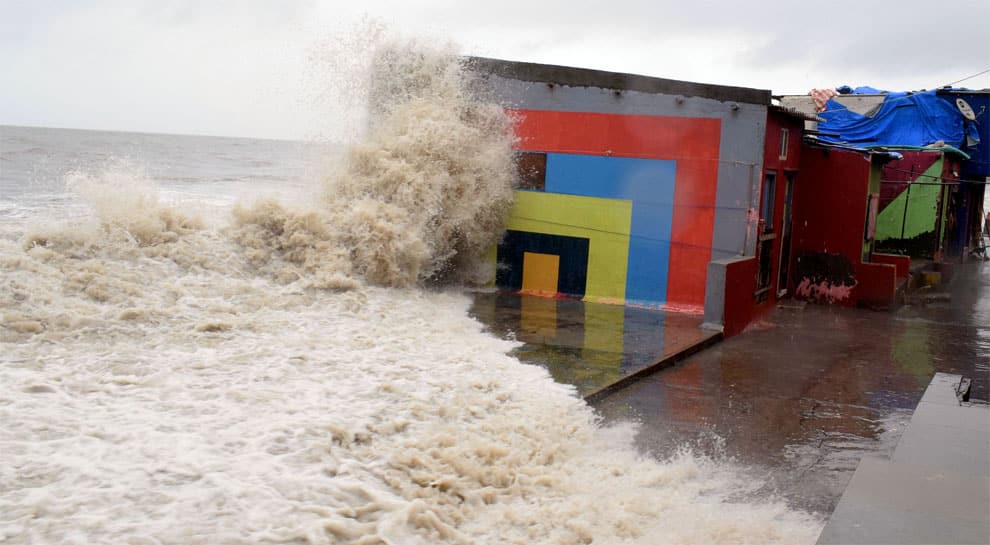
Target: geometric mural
x=909, y=205
x=906, y=209
x=590, y=235
x=639, y=189
x=649, y=185
x=542, y=263
x=542, y=273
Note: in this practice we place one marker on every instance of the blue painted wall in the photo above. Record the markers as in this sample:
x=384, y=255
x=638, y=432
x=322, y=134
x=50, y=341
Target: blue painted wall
x=649, y=184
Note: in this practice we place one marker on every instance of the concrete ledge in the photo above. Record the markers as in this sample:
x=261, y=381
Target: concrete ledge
x=663, y=363
x=942, y=390
x=935, y=489
x=910, y=505
x=932, y=446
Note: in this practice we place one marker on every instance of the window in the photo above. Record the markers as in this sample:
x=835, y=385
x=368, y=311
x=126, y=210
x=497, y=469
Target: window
x=785, y=135
x=766, y=208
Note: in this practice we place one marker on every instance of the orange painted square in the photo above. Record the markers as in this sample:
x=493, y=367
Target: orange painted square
x=540, y=273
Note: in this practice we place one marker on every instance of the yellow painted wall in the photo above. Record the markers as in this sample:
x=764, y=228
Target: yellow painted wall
x=604, y=329
x=604, y=222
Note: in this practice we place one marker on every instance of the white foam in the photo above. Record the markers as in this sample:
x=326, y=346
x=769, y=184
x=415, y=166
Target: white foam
x=197, y=405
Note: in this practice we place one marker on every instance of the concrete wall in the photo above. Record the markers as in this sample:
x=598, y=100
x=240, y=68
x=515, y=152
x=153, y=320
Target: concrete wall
x=730, y=305
x=688, y=157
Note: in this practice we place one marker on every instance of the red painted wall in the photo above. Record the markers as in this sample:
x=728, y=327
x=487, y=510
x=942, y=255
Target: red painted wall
x=692, y=142
x=782, y=167
x=901, y=263
x=830, y=211
x=741, y=305
x=771, y=157
x=830, y=202
x=877, y=284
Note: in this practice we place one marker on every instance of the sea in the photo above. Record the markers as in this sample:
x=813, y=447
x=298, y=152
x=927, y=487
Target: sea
x=210, y=340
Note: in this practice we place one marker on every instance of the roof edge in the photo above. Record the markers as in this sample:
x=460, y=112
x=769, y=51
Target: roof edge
x=586, y=77
x=794, y=112
x=930, y=149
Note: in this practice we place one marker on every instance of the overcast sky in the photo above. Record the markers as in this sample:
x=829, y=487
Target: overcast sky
x=248, y=67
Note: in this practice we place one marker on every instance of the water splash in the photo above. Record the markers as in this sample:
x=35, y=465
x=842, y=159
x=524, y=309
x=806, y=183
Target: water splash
x=127, y=207
x=421, y=199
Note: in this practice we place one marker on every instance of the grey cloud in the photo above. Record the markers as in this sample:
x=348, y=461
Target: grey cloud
x=862, y=37
x=232, y=67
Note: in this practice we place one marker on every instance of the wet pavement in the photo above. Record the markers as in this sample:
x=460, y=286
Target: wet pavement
x=798, y=399
x=588, y=345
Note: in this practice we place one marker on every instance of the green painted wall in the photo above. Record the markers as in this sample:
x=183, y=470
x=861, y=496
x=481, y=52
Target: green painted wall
x=922, y=209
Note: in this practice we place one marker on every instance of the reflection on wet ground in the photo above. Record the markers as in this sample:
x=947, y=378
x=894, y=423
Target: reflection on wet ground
x=799, y=399
x=588, y=345
x=804, y=396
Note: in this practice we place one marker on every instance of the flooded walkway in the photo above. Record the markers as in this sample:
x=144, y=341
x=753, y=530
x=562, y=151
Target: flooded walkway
x=803, y=397
x=798, y=399
x=589, y=345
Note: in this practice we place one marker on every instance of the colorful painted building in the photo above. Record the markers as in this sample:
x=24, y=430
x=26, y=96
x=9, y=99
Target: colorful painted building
x=967, y=219
x=633, y=190
x=648, y=192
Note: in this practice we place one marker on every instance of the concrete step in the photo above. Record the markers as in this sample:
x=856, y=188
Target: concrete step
x=935, y=488
x=908, y=504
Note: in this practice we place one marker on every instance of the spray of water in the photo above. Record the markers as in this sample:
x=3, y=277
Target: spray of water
x=127, y=208
x=419, y=200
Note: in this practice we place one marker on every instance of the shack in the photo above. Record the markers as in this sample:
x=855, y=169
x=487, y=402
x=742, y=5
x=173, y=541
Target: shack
x=634, y=190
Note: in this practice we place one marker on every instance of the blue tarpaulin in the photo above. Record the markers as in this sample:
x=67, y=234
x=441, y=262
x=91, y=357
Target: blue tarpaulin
x=903, y=119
